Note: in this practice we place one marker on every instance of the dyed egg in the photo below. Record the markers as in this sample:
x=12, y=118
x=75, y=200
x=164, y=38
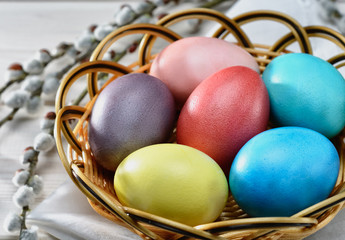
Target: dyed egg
x=306, y=91
x=223, y=113
x=185, y=63
x=283, y=171
x=173, y=181
x=131, y=112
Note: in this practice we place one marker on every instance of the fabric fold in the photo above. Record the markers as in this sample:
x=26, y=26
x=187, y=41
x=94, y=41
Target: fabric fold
x=67, y=215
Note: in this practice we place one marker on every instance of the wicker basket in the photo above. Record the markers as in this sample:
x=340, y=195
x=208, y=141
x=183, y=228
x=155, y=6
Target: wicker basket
x=97, y=184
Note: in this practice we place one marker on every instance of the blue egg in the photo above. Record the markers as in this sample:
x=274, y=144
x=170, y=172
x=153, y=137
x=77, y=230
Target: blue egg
x=282, y=171
x=306, y=91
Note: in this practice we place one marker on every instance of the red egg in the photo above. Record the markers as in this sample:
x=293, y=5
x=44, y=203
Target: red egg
x=223, y=113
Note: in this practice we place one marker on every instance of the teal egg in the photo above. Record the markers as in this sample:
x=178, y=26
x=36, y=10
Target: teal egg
x=306, y=91
x=282, y=171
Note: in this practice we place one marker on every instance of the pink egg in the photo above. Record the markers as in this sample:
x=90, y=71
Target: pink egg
x=184, y=64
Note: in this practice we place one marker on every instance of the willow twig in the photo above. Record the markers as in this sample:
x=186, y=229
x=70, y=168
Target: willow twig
x=26, y=209
x=9, y=117
x=10, y=83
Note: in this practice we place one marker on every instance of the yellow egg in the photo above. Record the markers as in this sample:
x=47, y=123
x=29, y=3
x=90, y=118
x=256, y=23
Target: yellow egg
x=173, y=181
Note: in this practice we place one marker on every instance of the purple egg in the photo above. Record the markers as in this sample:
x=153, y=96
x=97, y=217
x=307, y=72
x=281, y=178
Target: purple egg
x=133, y=111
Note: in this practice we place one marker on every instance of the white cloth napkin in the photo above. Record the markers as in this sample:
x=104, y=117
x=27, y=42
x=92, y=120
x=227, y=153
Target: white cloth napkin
x=67, y=215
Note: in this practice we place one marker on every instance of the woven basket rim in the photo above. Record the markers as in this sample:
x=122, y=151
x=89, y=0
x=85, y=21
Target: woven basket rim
x=88, y=177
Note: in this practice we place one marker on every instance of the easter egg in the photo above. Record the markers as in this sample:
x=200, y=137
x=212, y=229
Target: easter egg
x=223, y=113
x=131, y=112
x=282, y=171
x=173, y=181
x=185, y=63
x=306, y=91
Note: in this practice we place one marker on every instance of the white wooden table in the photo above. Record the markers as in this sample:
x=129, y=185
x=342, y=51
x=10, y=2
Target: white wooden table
x=26, y=27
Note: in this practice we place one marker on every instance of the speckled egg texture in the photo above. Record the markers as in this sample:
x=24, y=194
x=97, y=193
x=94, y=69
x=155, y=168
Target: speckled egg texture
x=223, y=113
x=131, y=112
x=306, y=91
x=283, y=171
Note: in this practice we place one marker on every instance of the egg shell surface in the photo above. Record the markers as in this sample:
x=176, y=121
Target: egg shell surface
x=133, y=111
x=184, y=64
x=223, y=113
x=173, y=181
x=306, y=91
x=282, y=171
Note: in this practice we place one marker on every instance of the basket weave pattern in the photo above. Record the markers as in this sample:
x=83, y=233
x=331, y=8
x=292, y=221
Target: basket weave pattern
x=97, y=183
